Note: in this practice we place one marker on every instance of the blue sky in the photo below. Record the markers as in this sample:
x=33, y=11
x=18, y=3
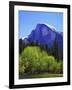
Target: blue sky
x=29, y=19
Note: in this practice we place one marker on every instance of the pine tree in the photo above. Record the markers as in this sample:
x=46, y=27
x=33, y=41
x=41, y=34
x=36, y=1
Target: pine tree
x=20, y=46
x=55, y=49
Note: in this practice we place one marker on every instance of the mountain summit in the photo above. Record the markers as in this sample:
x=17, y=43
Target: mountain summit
x=45, y=35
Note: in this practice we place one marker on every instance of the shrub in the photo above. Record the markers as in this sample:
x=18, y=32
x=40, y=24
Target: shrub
x=35, y=60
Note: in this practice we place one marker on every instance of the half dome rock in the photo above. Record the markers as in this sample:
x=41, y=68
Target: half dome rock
x=45, y=34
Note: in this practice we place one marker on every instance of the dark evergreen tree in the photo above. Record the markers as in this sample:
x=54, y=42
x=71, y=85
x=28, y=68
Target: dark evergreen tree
x=55, y=49
x=20, y=46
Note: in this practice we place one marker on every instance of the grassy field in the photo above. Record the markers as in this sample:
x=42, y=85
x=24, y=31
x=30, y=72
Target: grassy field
x=45, y=75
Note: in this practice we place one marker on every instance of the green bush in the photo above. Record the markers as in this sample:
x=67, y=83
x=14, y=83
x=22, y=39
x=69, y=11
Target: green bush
x=35, y=60
x=21, y=66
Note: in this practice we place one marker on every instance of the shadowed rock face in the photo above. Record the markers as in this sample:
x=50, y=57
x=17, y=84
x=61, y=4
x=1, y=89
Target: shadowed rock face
x=45, y=35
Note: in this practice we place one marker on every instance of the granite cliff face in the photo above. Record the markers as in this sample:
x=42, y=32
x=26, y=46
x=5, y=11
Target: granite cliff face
x=45, y=35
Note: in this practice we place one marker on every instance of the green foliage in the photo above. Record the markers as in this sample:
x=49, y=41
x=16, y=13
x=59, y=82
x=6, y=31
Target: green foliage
x=21, y=66
x=34, y=60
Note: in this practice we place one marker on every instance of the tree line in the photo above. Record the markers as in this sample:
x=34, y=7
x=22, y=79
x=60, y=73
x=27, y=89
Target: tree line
x=54, y=51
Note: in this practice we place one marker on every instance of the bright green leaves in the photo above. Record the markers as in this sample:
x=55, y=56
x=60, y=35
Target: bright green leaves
x=34, y=60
